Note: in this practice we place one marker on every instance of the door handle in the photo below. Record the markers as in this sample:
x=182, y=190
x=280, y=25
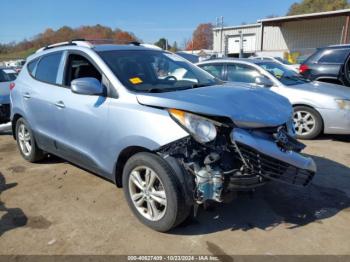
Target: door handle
x=60, y=104
x=26, y=95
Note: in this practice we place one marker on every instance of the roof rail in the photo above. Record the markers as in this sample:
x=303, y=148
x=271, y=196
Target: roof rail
x=75, y=42
x=134, y=43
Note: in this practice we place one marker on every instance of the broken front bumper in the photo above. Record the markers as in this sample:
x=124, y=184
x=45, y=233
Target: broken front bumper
x=262, y=156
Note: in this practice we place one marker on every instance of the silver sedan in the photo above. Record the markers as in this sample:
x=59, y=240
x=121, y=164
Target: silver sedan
x=318, y=106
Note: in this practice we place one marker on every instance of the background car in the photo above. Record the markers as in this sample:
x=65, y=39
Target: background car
x=280, y=60
x=318, y=106
x=329, y=64
x=7, y=75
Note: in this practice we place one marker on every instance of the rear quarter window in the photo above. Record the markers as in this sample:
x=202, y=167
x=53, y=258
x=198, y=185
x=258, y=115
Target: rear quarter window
x=47, y=68
x=31, y=66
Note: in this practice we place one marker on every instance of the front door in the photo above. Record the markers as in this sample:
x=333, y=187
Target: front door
x=83, y=119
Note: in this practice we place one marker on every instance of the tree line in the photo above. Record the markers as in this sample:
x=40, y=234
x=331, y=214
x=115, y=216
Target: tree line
x=66, y=33
x=202, y=37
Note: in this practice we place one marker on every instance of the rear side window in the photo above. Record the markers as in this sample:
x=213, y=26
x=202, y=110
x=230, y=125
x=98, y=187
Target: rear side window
x=334, y=56
x=47, y=68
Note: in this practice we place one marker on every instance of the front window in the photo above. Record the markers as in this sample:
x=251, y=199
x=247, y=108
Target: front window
x=242, y=73
x=283, y=74
x=155, y=71
x=214, y=69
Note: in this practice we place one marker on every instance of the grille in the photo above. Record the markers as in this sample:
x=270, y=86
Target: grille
x=274, y=169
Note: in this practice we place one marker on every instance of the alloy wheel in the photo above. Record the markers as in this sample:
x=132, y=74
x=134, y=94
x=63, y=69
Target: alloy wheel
x=304, y=123
x=147, y=193
x=24, y=139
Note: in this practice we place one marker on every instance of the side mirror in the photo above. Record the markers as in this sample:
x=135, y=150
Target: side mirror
x=263, y=81
x=87, y=86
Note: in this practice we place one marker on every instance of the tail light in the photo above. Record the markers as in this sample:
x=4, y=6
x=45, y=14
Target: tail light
x=303, y=68
x=12, y=86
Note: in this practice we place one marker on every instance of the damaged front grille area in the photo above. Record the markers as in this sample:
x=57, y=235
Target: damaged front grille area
x=239, y=160
x=274, y=169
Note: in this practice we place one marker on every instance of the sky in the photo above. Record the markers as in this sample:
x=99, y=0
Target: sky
x=147, y=19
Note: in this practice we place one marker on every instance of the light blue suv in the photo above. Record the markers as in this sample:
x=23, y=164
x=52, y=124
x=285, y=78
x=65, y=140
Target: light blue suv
x=169, y=133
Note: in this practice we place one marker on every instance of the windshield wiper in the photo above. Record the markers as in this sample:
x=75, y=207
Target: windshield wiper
x=200, y=85
x=155, y=90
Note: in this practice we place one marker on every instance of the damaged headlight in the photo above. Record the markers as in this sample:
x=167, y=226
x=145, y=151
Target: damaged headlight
x=201, y=128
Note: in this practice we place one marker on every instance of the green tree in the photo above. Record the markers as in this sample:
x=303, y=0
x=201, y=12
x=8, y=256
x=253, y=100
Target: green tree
x=314, y=6
x=174, y=48
x=163, y=43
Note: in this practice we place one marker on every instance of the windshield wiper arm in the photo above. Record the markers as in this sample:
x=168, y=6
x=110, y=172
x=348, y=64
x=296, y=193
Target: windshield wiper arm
x=200, y=85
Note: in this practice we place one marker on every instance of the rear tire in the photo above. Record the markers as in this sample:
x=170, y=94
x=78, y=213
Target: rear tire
x=156, y=198
x=307, y=122
x=26, y=142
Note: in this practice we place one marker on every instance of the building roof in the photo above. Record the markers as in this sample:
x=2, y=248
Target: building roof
x=280, y=19
x=237, y=27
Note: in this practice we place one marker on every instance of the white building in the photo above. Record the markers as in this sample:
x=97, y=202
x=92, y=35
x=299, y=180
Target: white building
x=300, y=34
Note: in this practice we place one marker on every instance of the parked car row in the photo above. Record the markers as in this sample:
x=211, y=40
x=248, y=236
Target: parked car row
x=171, y=134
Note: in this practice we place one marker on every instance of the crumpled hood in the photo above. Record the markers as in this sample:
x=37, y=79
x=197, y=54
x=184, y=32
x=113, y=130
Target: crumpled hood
x=239, y=102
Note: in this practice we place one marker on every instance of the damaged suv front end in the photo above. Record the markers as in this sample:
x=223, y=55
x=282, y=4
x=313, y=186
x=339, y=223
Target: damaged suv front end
x=195, y=138
x=227, y=152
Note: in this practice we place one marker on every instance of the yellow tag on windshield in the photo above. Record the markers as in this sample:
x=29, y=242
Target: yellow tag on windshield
x=135, y=80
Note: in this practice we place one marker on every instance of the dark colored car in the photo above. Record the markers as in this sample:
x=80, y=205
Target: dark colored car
x=328, y=64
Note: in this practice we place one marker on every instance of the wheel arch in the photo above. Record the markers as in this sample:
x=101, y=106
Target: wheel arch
x=331, y=80
x=13, y=123
x=123, y=157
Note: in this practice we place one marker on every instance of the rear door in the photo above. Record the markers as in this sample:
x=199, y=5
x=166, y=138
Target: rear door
x=39, y=98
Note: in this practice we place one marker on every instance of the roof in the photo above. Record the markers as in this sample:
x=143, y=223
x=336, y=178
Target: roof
x=227, y=60
x=233, y=60
x=100, y=48
x=342, y=12
x=237, y=27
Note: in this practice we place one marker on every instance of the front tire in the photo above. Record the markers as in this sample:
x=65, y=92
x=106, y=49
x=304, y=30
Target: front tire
x=26, y=142
x=307, y=122
x=153, y=192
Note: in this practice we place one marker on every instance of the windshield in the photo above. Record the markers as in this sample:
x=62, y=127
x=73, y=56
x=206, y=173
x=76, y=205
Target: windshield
x=283, y=74
x=155, y=71
x=7, y=75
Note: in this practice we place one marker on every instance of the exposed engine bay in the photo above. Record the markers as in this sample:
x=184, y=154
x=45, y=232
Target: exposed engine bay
x=241, y=159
